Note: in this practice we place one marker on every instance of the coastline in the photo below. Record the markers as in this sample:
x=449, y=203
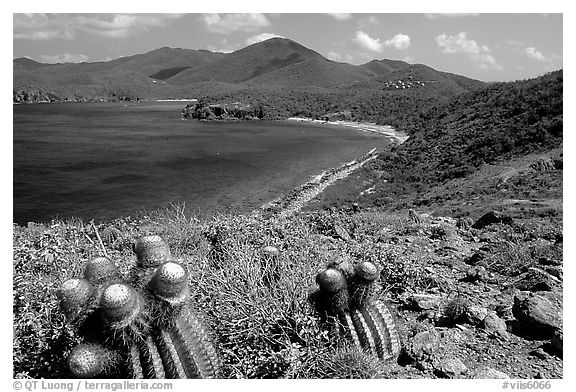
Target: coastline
x=291, y=202
x=384, y=130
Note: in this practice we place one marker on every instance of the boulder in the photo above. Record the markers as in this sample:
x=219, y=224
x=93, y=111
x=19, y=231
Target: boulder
x=537, y=314
x=495, y=326
x=487, y=372
x=423, y=346
x=424, y=301
x=475, y=315
x=536, y=280
x=491, y=218
x=557, y=341
x=342, y=233
x=449, y=367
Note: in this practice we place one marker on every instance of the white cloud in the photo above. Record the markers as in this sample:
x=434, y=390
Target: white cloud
x=399, y=41
x=261, y=37
x=341, y=16
x=224, y=47
x=66, y=26
x=535, y=54
x=451, y=44
x=334, y=56
x=230, y=23
x=365, y=22
x=367, y=42
x=449, y=15
x=63, y=58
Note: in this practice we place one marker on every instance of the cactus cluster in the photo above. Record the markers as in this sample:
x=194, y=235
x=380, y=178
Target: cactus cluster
x=345, y=301
x=143, y=327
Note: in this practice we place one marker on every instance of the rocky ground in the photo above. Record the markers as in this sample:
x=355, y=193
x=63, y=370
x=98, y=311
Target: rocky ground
x=481, y=302
x=483, y=291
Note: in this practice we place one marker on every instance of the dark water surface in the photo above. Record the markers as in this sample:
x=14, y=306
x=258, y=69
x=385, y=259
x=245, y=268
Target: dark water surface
x=106, y=160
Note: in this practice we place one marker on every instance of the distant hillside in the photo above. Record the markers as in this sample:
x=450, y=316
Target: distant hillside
x=276, y=63
x=127, y=77
x=248, y=62
x=501, y=121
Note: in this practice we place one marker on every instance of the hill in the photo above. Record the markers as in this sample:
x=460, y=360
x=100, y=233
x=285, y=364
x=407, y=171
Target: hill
x=467, y=149
x=272, y=66
x=123, y=78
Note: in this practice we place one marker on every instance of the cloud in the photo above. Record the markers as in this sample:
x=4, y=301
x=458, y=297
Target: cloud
x=365, y=22
x=224, y=47
x=261, y=37
x=63, y=58
x=341, y=16
x=448, y=15
x=399, y=41
x=451, y=44
x=534, y=54
x=334, y=56
x=230, y=23
x=367, y=42
x=66, y=26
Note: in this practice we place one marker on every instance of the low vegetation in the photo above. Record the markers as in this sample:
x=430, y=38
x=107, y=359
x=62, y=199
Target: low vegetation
x=264, y=327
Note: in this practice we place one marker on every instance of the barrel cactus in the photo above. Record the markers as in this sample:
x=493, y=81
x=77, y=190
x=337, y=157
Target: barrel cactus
x=345, y=301
x=144, y=327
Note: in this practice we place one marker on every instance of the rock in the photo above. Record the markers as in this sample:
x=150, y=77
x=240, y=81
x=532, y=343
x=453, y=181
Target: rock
x=477, y=273
x=487, y=372
x=536, y=313
x=270, y=251
x=491, y=218
x=539, y=353
x=536, y=280
x=475, y=258
x=424, y=301
x=549, y=261
x=423, y=345
x=342, y=233
x=203, y=110
x=495, y=326
x=556, y=272
x=542, y=164
x=464, y=223
x=455, y=310
x=449, y=367
x=557, y=341
x=475, y=314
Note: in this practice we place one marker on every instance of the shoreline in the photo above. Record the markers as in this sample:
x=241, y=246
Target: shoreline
x=384, y=130
x=288, y=204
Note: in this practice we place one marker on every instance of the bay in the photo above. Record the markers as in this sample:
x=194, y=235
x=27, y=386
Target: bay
x=107, y=160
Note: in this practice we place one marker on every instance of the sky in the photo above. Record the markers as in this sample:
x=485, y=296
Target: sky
x=484, y=46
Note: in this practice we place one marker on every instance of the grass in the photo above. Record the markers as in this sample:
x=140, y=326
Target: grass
x=257, y=308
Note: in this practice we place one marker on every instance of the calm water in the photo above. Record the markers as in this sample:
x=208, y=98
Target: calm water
x=106, y=160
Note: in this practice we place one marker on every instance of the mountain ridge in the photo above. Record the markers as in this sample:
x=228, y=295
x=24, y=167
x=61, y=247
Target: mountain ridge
x=175, y=72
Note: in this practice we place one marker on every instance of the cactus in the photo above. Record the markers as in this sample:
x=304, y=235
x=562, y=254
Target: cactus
x=414, y=216
x=142, y=328
x=464, y=223
x=346, y=302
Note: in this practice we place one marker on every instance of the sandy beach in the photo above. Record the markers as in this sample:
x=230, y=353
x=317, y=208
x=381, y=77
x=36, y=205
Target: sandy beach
x=385, y=130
